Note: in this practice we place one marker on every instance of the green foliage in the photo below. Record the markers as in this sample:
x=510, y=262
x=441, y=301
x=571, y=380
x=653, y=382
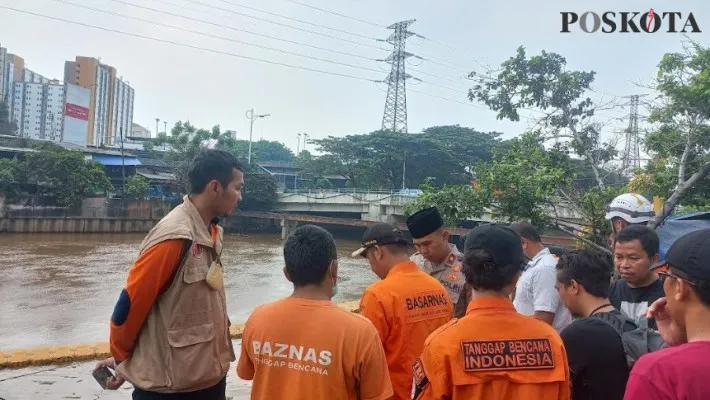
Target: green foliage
x=185, y=142
x=680, y=145
x=455, y=202
x=542, y=82
x=7, y=127
x=136, y=187
x=592, y=205
x=65, y=175
x=378, y=160
x=522, y=183
x=259, y=191
x=9, y=178
x=519, y=183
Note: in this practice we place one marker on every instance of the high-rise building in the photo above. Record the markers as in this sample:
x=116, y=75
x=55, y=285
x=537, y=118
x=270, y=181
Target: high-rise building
x=3, y=61
x=111, y=100
x=36, y=109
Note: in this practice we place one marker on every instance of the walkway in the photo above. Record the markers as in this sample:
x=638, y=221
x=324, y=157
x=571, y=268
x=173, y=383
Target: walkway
x=74, y=381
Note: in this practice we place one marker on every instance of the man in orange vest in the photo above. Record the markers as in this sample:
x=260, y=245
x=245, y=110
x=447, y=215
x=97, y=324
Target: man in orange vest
x=306, y=347
x=406, y=306
x=493, y=352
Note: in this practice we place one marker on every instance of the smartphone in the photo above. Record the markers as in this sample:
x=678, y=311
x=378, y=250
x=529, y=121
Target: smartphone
x=101, y=375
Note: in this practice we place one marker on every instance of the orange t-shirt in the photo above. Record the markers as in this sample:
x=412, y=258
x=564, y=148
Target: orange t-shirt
x=493, y=353
x=405, y=307
x=309, y=349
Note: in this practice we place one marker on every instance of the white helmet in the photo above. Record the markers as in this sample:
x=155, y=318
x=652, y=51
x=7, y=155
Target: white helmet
x=631, y=207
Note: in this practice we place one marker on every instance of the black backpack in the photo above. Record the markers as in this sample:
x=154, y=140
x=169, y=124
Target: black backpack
x=636, y=342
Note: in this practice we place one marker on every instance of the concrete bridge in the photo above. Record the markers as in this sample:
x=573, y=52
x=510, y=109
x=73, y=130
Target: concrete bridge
x=370, y=205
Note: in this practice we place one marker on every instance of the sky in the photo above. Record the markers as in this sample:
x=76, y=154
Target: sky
x=185, y=82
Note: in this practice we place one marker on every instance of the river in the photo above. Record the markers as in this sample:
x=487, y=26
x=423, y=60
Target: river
x=61, y=288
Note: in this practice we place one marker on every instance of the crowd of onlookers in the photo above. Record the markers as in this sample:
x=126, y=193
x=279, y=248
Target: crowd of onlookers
x=503, y=320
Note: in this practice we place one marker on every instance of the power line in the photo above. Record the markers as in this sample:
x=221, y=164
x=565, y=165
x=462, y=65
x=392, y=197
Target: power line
x=272, y=22
x=243, y=30
x=187, y=45
x=213, y=36
x=297, y=20
x=337, y=13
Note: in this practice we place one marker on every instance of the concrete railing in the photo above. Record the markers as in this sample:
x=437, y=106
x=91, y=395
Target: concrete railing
x=53, y=355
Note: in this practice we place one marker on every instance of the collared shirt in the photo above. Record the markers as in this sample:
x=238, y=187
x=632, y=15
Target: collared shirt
x=405, y=307
x=492, y=353
x=536, y=291
x=449, y=274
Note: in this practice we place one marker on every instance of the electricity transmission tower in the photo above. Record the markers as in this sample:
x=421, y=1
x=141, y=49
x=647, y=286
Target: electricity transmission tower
x=632, y=152
x=395, y=115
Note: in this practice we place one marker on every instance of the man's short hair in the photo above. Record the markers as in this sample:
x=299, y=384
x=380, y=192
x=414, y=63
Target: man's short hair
x=591, y=269
x=648, y=238
x=526, y=230
x=211, y=165
x=308, y=252
x=397, y=248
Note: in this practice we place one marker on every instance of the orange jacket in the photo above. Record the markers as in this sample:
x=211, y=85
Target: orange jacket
x=405, y=307
x=493, y=353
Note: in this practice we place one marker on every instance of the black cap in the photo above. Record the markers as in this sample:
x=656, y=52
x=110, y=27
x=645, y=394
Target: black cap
x=501, y=242
x=380, y=235
x=424, y=222
x=691, y=255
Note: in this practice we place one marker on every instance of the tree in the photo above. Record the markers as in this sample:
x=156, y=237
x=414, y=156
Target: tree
x=185, y=142
x=393, y=160
x=519, y=183
x=7, y=127
x=64, y=175
x=467, y=146
x=259, y=190
x=542, y=82
x=136, y=187
x=9, y=178
x=455, y=203
x=681, y=144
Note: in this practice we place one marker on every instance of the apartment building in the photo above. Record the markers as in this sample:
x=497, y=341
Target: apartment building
x=36, y=108
x=111, y=100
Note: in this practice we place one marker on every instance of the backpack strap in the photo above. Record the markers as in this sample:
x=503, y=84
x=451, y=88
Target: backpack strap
x=616, y=320
x=186, y=246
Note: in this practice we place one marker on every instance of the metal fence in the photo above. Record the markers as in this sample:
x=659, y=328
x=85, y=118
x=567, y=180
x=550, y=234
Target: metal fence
x=343, y=191
x=94, y=209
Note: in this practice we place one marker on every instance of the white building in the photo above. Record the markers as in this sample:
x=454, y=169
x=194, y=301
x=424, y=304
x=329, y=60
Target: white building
x=111, y=105
x=54, y=95
x=122, y=111
x=37, y=109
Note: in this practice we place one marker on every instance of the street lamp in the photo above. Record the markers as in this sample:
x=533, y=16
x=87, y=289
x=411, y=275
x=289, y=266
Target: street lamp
x=251, y=117
x=298, y=145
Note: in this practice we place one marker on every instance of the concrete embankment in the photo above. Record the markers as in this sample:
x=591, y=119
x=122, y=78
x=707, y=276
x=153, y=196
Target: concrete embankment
x=53, y=355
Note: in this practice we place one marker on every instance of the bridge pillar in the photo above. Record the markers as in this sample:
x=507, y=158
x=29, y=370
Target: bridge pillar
x=287, y=227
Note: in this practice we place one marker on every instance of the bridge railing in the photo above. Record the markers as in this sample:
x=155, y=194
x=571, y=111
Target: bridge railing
x=335, y=191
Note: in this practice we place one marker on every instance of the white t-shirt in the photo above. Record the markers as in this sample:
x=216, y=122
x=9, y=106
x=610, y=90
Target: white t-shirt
x=536, y=291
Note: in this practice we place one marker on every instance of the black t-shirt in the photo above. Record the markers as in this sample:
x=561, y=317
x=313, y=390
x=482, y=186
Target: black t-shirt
x=596, y=359
x=634, y=302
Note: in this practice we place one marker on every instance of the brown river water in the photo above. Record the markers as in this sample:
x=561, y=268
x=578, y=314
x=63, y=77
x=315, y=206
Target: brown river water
x=61, y=288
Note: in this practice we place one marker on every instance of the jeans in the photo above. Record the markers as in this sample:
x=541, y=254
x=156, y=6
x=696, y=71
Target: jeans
x=216, y=392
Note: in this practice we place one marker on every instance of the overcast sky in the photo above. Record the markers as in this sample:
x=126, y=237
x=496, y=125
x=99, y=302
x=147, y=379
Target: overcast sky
x=178, y=83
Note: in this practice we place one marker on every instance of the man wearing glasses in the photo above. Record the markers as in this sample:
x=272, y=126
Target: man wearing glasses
x=683, y=319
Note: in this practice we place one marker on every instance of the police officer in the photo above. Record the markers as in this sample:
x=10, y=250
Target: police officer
x=437, y=257
x=493, y=352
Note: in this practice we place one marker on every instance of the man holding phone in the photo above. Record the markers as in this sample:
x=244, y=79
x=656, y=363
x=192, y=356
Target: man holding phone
x=169, y=329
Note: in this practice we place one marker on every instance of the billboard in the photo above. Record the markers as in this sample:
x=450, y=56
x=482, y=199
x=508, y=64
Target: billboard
x=76, y=115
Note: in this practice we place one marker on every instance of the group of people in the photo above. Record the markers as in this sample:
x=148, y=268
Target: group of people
x=506, y=319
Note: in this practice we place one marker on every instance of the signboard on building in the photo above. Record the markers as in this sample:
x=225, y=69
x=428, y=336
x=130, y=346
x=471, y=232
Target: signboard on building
x=76, y=115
